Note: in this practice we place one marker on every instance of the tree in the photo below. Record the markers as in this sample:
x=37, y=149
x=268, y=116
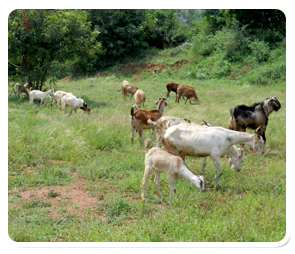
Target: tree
x=38, y=39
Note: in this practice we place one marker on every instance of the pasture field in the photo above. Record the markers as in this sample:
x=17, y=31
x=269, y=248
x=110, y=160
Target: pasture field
x=78, y=178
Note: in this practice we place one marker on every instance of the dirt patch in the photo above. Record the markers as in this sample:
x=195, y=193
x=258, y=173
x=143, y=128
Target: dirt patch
x=74, y=198
x=149, y=67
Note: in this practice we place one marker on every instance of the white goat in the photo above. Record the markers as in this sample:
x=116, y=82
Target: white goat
x=190, y=140
x=139, y=98
x=162, y=161
x=38, y=95
x=57, y=98
x=74, y=102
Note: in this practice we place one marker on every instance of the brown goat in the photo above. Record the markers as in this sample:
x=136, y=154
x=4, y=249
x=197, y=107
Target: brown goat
x=243, y=117
x=127, y=88
x=139, y=118
x=186, y=91
x=171, y=87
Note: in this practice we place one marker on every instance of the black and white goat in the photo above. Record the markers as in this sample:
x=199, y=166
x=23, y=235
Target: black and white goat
x=243, y=117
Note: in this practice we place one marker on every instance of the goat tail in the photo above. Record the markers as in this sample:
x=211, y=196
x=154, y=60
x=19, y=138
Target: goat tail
x=132, y=113
x=147, y=144
x=63, y=95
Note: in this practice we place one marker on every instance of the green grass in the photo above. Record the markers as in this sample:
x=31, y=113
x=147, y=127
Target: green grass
x=249, y=206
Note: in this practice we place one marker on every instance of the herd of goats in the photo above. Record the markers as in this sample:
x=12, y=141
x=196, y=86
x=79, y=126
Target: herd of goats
x=180, y=137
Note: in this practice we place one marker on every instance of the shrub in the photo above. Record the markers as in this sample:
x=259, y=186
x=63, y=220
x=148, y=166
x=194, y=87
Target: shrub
x=260, y=50
x=221, y=68
x=203, y=44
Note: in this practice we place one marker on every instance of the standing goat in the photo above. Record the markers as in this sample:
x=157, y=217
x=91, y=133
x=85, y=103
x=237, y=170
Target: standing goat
x=236, y=157
x=139, y=118
x=139, y=98
x=38, y=95
x=162, y=161
x=127, y=88
x=171, y=87
x=186, y=91
x=252, y=117
x=22, y=88
x=74, y=102
x=191, y=140
x=57, y=97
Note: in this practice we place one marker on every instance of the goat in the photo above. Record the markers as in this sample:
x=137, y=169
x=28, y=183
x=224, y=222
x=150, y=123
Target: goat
x=252, y=117
x=171, y=87
x=139, y=118
x=74, y=102
x=162, y=161
x=236, y=157
x=186, y=91
x=57, y=98
x=38, y=95
x=191, y=140
x=166, y=122
x=127, y=88
x=139, y=98
x=21, y=88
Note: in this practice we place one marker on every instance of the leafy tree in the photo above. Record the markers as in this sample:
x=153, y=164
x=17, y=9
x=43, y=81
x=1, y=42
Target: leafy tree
x=39, y=39
x=166, y=29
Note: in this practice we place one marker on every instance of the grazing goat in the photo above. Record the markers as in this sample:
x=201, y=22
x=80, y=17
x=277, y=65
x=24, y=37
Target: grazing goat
x=186, y=91
x=74, y=102
x=162, y=161
x=236, y=157
x=57, y=98
x=127, y=88
x=191, y=140
x=139, y=98
x=38, y=95
x=171, y=87
x=139, y=118
x=252, y=117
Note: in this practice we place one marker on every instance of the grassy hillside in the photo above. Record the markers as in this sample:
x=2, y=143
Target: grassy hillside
x=78, y=178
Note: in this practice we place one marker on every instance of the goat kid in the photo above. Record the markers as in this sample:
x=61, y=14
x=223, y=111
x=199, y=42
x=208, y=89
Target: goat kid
x=38, y=95
x=139, y=118
x=162, y=161
x=73, y=102
x=189, y=140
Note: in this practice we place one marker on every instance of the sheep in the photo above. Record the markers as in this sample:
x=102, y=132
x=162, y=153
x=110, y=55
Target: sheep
x=38, y=95
x=74, y=102
x=186, y=91
x=171, y=87
x=252, y=117
x=191, y=140
x=57, y=98
x=236, y=157
x=139, y=98
x=127, y=88
x=139, y=118
x=162, y=161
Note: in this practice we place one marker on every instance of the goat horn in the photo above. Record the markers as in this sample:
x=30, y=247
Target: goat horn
x=256, y=131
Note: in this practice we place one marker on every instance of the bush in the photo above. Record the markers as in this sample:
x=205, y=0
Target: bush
x=260, y=50
x=221, y=69
x=203, y=44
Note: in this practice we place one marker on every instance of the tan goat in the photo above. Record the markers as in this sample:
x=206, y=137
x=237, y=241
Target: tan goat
x=139, y=98
x=126, y=88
